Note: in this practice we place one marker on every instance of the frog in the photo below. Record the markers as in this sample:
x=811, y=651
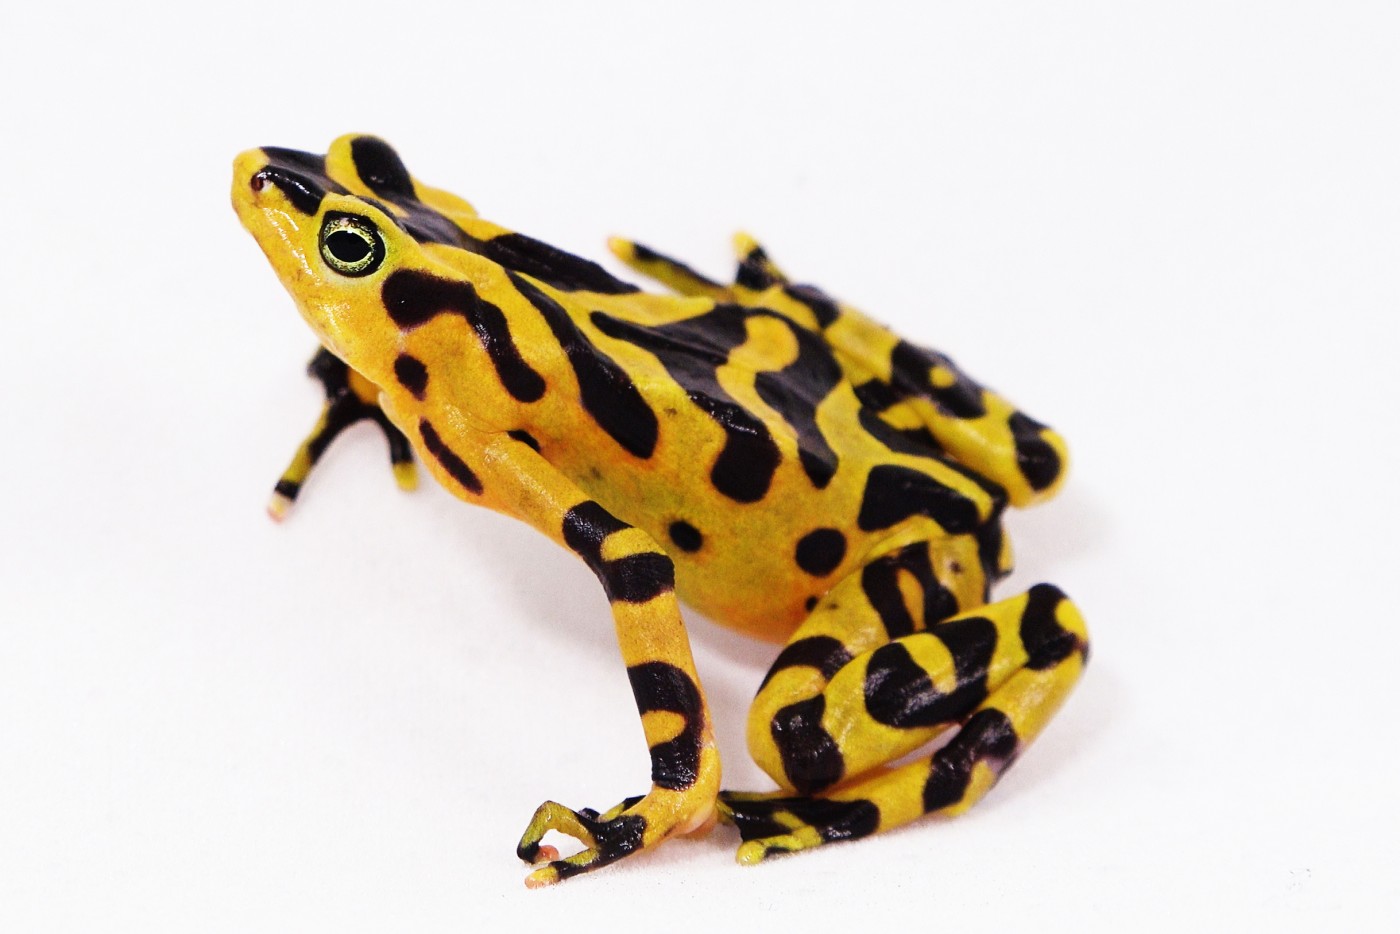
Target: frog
x=781, y=462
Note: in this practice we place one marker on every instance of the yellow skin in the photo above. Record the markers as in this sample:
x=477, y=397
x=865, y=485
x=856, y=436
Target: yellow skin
x=775, y=458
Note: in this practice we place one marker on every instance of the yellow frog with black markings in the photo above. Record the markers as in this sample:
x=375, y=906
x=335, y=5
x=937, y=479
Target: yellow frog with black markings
x=775, y=458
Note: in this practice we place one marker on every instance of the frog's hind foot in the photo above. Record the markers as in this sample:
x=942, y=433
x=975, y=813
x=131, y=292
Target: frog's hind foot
x=772, y=824
x=350, y=398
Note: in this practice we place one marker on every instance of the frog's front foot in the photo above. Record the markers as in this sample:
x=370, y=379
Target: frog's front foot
x=635, y=824
x=349, y=398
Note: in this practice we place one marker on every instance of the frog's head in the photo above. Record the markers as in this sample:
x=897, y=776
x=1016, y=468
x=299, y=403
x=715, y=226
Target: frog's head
x=335, y=226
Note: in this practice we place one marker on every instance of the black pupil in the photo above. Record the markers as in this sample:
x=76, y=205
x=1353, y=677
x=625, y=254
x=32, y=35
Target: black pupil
x=348, y=246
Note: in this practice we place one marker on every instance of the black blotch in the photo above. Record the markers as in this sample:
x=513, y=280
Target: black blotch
x=686, y=536
x=820, y=551
x=414, y=298
x=987, y=734
x=753, y=271
x=811, y=603
x=692, y=350
x=971, y=640
x=1039, y=463
x=381, y=169
x=811, y=759
x=900, y=693
x=525, y=438
x=910, y=366
x=550, y=265
x=880, y=581
x=894, y=493
x=796, y=390
x=411, y=374
x=456, y=468
x=634, y=578
x=1047, y=642
x=608, y=394
x=824, y=653
x=675, y=763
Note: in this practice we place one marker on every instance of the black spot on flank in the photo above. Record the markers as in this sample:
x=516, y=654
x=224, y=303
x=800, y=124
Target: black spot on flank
x=811, y=759
x=1046, y=642
x=820, y=551
x=456, y=468
x=634, y=578
x=550, y=265
x=911, y=365
x=606, y=391
x=1038, y=461
x=987, y=734
x=414, y=298
x=411, y=374
x=380, y=168
x=686, y=536
x=822, y=306
x=675, y=763
x=525, y=438
x=811, y=603
x=894, y=493
x=824, y=653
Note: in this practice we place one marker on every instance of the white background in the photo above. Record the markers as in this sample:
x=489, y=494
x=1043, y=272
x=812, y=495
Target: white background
x=1171, y=233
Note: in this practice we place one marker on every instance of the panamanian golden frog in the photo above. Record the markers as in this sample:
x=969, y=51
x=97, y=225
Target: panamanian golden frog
x=775, y=458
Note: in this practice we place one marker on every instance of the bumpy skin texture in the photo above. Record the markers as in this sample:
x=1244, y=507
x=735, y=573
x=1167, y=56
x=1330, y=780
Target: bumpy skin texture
x=774, y=457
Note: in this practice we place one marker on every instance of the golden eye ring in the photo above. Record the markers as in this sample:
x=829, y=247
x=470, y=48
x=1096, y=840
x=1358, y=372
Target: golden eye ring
x=351, y=244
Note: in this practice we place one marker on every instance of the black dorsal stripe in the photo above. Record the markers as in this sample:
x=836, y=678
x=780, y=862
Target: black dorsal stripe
x=606, y=392
x=692, y=351
x=414, y=298
x=550, y=265
x=796, y=390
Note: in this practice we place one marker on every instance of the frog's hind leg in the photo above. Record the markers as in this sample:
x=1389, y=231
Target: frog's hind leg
x=349, y=398
x=834, y=713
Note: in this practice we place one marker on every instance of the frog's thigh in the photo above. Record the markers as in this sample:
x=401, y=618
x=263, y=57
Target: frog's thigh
x=823, y=720
x=950, y=780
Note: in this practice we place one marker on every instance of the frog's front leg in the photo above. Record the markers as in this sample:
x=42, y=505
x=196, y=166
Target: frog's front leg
x=505, y=473
x=349, y=398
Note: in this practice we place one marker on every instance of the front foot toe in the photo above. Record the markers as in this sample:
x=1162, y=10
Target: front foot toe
x=606, y=838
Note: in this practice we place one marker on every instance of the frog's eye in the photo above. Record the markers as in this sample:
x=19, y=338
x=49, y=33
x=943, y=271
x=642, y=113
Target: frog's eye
x=350, y=244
